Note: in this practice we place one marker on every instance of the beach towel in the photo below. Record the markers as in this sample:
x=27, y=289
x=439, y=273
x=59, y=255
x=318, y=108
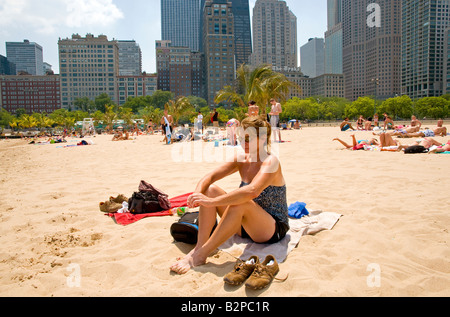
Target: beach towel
x=316, y=221
x=125, y=219
x=168, y=132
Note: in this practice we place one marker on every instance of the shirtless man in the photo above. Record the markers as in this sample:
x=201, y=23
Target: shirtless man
x=275, y=119
x=253, y=109
x=440, y=130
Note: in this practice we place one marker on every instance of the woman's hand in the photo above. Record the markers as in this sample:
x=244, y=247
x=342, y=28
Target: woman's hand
x=198, y=199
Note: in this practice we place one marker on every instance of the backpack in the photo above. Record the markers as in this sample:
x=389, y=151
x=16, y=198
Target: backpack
x=186, y=228
x=148, y=200
x=415, y=149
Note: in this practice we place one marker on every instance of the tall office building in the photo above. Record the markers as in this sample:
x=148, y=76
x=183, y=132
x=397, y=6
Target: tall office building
x=333, y=38
x=27, y=56
x=88, y=68
x=312, y=57
x=179, y=70
x=130, y=58
x=371, y=48
x=6, y=67
x=423, y=44
x=274, y=34
x=180, y=21
x=219, y=46
x=242, y=31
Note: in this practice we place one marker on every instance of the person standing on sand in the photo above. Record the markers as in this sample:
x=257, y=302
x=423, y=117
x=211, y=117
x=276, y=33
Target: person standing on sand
x=257, y=210
x=275, y=119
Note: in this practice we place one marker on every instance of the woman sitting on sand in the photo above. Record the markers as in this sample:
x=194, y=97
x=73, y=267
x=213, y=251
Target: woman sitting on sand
x=257, y=210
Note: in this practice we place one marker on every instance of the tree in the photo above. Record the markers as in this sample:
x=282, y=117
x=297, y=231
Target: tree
x=179, y=107
x=397, y=107
x=434, y=107
x=260, y=85
x=102, y=101
x=84, y=104
x=160, y=98
x=364, y=106
x=109, y=116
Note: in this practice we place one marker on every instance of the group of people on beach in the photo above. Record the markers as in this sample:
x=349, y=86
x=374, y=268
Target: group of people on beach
x=387, y=143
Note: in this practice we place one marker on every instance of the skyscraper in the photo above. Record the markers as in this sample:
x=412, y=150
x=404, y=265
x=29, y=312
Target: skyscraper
x=27, y=56
x=180, y=23
x=371, y=48
x=130, y=58
x=423, y=44
x=242, y=31
x=333, y=38
x=274, y=34
x=179, y=70
x=219, y=46
x=88, y=68
x=312, y=57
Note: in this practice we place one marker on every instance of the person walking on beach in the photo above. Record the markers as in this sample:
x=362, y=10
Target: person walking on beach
x=275, y=119
x=215, y=120
x=257, y=210
x=166, y=125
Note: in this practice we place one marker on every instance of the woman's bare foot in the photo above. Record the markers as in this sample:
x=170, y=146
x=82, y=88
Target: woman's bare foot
x=190, y=261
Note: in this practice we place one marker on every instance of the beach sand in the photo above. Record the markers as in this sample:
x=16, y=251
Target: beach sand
x=55, y=241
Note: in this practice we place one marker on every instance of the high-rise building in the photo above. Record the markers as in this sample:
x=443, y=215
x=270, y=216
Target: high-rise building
x=333, y=38
x=371, y=48
x=274, y=34
x=180, y=23
x=88, y=68
x=242, y=31
x=219, y=46
x=446, y=75
x=312, y=57
x=27, y=56
x=179, y=70
x=423, y=45
x=6, y=67
x=130, y=58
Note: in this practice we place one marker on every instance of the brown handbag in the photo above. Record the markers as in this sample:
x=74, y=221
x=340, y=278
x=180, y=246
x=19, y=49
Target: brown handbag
x=148, y=199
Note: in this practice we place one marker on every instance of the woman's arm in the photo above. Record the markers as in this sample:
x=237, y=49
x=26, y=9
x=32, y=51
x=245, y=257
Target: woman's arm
x=261, y=181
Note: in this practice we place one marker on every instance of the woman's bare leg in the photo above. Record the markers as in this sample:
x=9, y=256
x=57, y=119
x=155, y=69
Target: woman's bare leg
x=257, y=222
x=342, y=142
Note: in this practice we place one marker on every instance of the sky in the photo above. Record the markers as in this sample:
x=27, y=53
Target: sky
x=45, y=21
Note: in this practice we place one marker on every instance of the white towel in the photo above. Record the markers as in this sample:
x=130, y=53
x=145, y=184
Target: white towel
x=315, y=222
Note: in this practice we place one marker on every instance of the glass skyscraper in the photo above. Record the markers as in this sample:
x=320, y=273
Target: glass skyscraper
x=423, y=45
x=333, y=38
x=27, y=56
x=180, y=23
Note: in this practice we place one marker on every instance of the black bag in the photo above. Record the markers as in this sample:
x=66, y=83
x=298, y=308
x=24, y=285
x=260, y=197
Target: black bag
x=148, y=200
x=186, y=229
x=415, y=149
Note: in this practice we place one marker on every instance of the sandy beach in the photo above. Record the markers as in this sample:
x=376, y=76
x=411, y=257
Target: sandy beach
x=395, y=219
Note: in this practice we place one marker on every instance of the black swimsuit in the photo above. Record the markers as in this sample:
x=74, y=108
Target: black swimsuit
x=273, y=200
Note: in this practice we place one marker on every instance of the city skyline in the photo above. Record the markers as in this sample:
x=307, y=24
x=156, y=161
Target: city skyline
x=44, y=22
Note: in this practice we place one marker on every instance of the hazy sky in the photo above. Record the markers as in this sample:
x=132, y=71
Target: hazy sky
x=45, y=21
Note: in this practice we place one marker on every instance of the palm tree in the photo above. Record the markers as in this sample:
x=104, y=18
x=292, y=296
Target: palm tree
x=26, y=121
x=178, y=107
x=260, y=84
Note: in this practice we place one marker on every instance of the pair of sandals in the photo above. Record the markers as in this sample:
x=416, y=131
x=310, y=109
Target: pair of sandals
x=255, y=274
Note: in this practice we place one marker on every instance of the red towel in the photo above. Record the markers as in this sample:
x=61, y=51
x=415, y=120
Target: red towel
x=129, y=218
